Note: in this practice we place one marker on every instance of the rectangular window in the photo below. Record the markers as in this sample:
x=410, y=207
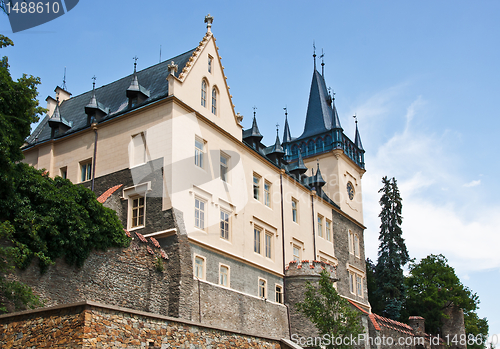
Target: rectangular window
x=198, y=152
x=296, y=253
x=356, y=245
x=328, y=230
x=137, y=212
x=279, y=294
x=359, y=286
x=267, y=193
x=224, y=159
x=262, y=288
x=199, y=213
x=295, y=217
x=86, y=171
x=199, y=266
x=320, y=225
x=256, y=240
x=138, y=154
x=268, y=245
x=64, y=172
x=256, y=187
x=224, y=275
x=351, y=242
x=210, y=60
x=224, y=225
x=351, y=282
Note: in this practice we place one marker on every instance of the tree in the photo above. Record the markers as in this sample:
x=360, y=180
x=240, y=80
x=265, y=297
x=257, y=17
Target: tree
x=392, y=253
x=40, y=216
x=371, y=283
x=433, y=286
x=329, y=312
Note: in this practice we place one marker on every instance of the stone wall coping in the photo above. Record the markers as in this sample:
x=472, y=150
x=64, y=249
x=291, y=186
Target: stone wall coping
x=88, y=303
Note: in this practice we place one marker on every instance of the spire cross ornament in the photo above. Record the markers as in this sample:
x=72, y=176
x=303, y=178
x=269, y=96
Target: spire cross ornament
x=93, y=84
x=286, y=111
x=277, y=128
x=135, y=58
x=355, y=118
x=322, y=63
x=254, y=110
x=314, y=54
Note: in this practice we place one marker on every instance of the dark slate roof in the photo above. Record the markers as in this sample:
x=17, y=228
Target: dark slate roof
x=253, y=131
x=319, y=111
x=277, y=148
x=335, y=119
x=113, y=96
x=298, y=165
x=357, y=139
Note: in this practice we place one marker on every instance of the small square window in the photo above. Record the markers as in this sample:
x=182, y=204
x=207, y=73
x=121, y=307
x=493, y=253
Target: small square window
x=279, y=294
x=256, y=240
x=86, y=170
x=262, y=288
x=267, y=193
x=199, y=267
x=199, y=213
x=224, y=275
x=224, y=225
x=64, y=172
x=199, y=149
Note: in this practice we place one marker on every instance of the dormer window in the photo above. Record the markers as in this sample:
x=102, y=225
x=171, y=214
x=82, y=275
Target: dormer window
x=133, y=102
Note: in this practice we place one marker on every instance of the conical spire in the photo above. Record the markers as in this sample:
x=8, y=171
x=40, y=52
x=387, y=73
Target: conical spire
x=319, y=111
x=317, y=180
x=277, y=148
x=357, y=138
x=255, y=129
x=94, y=108
x=287, y=137
x=298, y=168
x=135, y=90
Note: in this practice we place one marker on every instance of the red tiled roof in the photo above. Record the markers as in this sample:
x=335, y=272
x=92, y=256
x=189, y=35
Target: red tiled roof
x=392, y=324
x=102, y=199
x=370, y=315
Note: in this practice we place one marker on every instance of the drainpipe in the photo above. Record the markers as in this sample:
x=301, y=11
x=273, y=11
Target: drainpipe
x=94, y=127
x=313, y=222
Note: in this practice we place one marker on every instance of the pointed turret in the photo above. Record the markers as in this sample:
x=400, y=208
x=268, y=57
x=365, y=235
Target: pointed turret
x=95, y=110
x=276, y=152
x=136, y=93
x=57, y=123
x=357, y=138
x=316, y=181
x=287, y=136
x=252, y=136
x=298, y=168
x=335, y=116
x=319, y=111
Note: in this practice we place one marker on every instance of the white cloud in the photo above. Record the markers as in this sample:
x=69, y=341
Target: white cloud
x=472, y=184
x=438, y=218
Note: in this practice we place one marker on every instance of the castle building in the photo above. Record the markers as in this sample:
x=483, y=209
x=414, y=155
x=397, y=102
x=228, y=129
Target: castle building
x=165, y=148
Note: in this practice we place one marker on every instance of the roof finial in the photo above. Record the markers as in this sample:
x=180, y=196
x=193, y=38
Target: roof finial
x=355, y=118
x=254, y=111
x=135, y=58
x=277, y=128
x=322, y=63
x=314, y=54
x=286, y=112
x=93, y=84
x=64, y=80
x=209, y=20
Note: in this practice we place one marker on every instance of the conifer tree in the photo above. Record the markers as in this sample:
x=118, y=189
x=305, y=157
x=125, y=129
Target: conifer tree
x=392, y=253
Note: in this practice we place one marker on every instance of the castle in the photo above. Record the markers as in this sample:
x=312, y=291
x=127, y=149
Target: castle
x=241, y=225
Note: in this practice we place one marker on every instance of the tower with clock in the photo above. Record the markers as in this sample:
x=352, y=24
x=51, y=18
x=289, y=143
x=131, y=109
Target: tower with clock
x=323, y=142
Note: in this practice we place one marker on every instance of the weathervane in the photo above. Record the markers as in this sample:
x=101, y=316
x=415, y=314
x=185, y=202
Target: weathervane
x=254, y=110
x=64, y=80
x=314, y=54
x=135, y=58
x=93, y=84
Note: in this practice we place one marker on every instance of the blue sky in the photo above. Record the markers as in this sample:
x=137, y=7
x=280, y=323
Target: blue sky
x=422, y=76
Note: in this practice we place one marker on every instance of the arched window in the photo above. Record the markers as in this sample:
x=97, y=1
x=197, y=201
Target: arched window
x=310, y=146
x=214, y=101
x=303, y=148
x=295, y=149
x=328, y=141
x=203, y=93
x=319, y=144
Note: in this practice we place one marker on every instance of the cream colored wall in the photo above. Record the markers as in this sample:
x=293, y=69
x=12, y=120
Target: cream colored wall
x=337, y=169
x=31, y=157
x=190, y=93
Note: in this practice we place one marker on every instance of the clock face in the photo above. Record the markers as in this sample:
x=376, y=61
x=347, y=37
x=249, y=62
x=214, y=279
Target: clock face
x=350, y=190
